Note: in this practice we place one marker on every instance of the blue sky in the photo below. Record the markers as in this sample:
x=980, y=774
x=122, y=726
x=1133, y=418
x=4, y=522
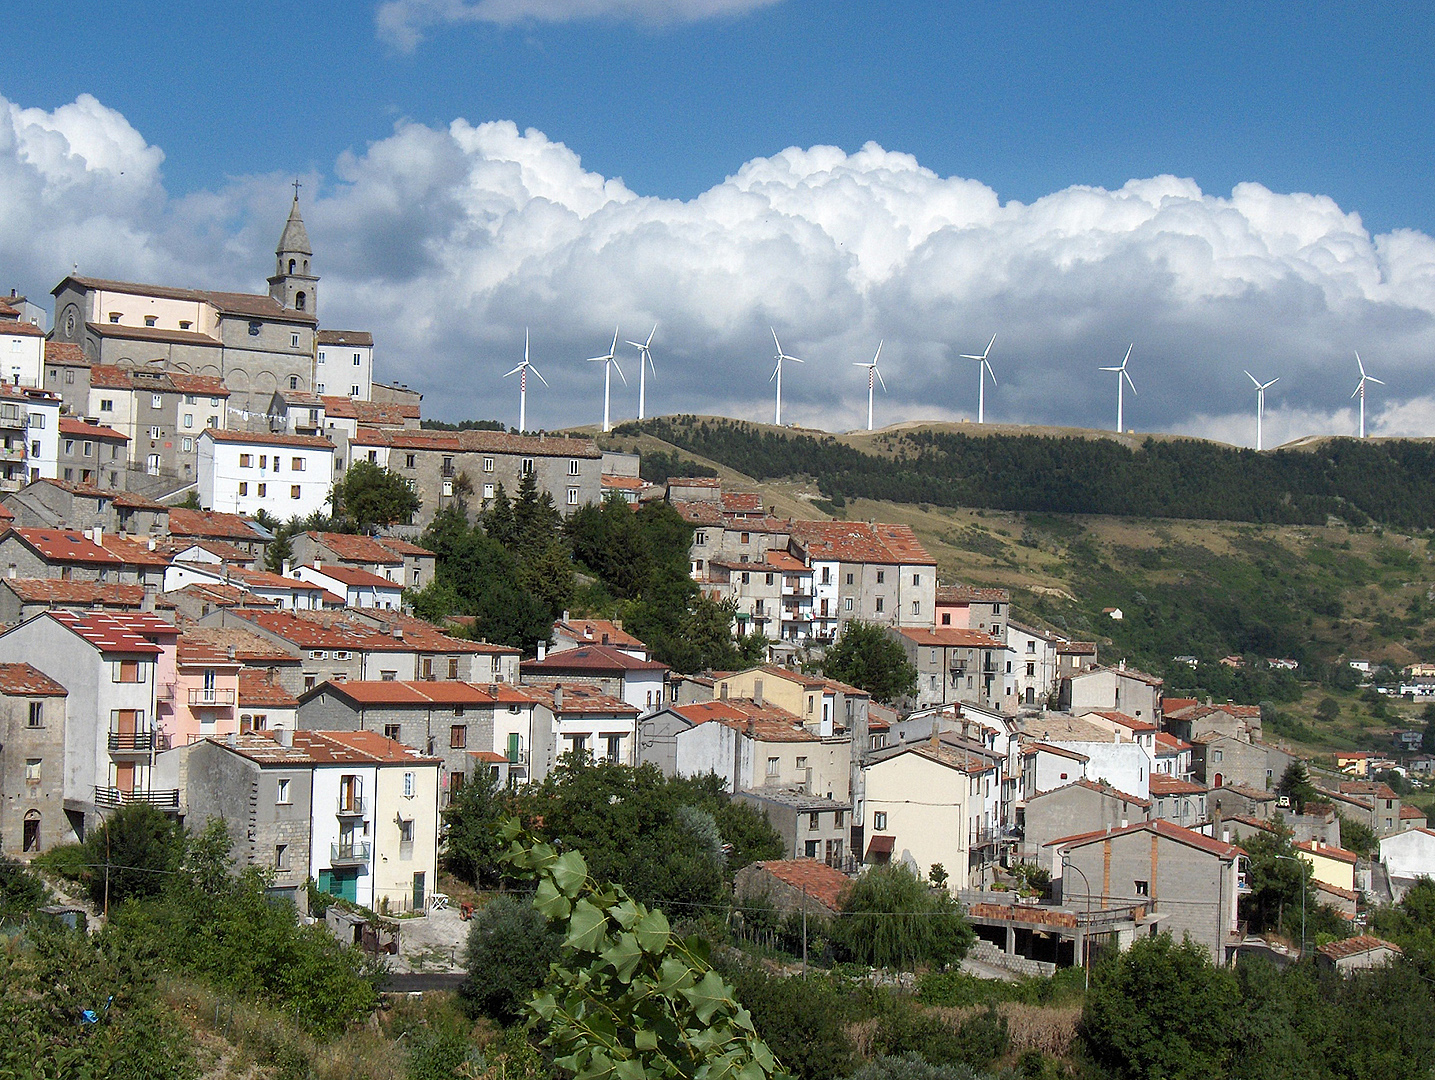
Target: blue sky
x=1027, y=99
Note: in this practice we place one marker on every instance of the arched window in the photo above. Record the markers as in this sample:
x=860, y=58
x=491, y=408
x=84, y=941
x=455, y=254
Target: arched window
x=299, y=301
x=293, y=382
x=306, y=266
x=291, y=266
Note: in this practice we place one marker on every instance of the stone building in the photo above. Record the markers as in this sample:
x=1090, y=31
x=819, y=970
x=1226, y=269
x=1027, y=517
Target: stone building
x=32, y=762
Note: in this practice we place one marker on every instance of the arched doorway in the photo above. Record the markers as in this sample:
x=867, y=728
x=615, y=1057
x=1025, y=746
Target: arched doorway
x=31, y=838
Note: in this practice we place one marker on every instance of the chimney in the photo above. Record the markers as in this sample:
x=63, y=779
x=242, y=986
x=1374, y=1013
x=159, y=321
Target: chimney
x=757, y=692
x=150, y=544
x=558, y=698
x=722, y=692
x=150, y=593
x=493, y=690
x=318, y=561
x=229, y=652
x=565, y=616
x=232, y=739
x=285, y=736
x=286, y=568
x=617, y=624
x=542, y=650
x=98, y=534
x=398, y=633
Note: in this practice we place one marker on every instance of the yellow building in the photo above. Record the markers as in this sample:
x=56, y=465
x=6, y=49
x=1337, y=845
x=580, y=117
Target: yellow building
x=825, y=705
x=1329, y=865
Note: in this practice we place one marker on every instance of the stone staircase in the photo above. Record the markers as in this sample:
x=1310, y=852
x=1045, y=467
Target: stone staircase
x=985, y=952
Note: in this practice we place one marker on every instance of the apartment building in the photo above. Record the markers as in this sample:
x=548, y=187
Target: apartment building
x=955, y=665
x=286, y=476
x=32, y=761
x=874, y=572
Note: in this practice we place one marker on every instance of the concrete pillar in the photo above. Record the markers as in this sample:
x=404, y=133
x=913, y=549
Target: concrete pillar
x=1011, y=940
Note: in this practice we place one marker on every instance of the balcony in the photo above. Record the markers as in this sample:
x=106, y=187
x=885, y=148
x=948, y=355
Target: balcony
x=211, y=696
x=982, y=835
x=132, y=742
x=165, y=691
x=16, y=456
x=353, y=853
x=162, y=800
x=351, y=806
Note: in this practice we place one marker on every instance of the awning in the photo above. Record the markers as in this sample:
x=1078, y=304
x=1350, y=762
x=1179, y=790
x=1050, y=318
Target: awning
x=880, y=845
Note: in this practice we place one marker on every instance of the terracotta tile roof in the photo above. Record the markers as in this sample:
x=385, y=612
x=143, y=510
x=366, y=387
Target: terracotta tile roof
x=1122, y=720
x=820, y=881
x=211, y=524
x=1125, y=672
x=15, y=328
x=64, y=352
x=257, y=688
x=403, y=547
x=1167, y=744
x=344, y=337
x=67, y=546
x=429, y=692
x=132, y=552
x=847, y=541
x=221, y=595
x=340, y=630
x=356, y=548
x=950, y=637
x=1327, y=851
x=1100, y=789
x=611, y=482
x=1160, y=828
x=1200, y=712
x=784, y=562
x=224, y=552
x=1372, y=788
x=1173, y=705
x=57, y=591
x=86, y=430
x=353, y=577
x=108, y=377
x=324, y=748
x=1032, y=749
x=249, y=647
x=1162, y=784
x=766, y=722
x=971, y=594
x=485, y=442
x=152, y=333
x=381, y=413
x=741, y=502
x=1254, y=823
x=580, y=698
x=589, y=659
x=25, y=680
x=698, y=513
x=1354, y=946
x=1410, y=813
x=1077, y=648
x=114, y=632
x=199, y=385
x=1335, y=890
x=260, y=438
x=695, y=482
x=598, y=631
x=193, y=651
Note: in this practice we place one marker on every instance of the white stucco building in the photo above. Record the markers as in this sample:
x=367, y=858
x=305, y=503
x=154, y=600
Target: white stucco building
x=284, y=475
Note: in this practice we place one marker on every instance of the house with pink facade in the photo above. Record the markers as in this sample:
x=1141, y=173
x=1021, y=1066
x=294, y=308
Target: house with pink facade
x=205, y=693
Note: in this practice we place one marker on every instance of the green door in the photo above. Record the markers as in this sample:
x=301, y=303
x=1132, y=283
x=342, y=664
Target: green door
x=346, y=884
x=419, y=897
x=513, y=748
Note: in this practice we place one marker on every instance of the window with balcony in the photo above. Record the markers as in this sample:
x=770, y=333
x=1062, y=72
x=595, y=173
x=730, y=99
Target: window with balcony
x=350, y=795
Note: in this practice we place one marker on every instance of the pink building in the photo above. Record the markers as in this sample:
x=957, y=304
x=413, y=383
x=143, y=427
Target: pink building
x=204, y=693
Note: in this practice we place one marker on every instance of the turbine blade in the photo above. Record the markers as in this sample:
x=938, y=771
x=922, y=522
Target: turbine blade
x=776, y=342
x=969, y=356
x=1356, y=392
x=1271, y=383
x=1129, y=383
x=1359, y=363
x=990, y=372
x=525, y=344
x=775, y=371
x=635, y=344
x=1372, y=378
x=1128, y=355
x=516, y=370
x=1253, y=379
x=592, y=359
x=651, y=332
x=878, y=372
x=620, y=373
x=859, y=363
x=879, y=354
x=988, y=349
x=540, y=377
x=1098, y=369
x=794, y=359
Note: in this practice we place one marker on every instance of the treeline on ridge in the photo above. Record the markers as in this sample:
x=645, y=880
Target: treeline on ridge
x=1392, y=483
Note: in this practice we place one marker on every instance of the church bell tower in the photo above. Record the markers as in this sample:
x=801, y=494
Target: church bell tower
x=293, y=285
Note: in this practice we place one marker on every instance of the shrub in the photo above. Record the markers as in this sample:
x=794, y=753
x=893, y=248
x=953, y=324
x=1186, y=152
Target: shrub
x=891, y=918
x=912, y=1067
x=803, y=1021
x=509, y=949
x=21, y=892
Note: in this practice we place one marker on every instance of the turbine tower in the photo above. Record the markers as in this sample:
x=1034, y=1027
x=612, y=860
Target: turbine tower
x=872, y=371
x=983, y=370
x=609, y=363
x=777, y=376
x=644, y=354
x=1360, y=390
x=1123, y=378
x=1261, y=389
x=522, y=371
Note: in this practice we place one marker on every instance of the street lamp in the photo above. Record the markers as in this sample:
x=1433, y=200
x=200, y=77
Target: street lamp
x=1085, y=945
x=1301, y=863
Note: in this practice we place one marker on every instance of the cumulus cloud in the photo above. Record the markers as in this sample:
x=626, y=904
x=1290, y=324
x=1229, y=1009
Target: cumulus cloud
x=447, y=242
x=402, y=22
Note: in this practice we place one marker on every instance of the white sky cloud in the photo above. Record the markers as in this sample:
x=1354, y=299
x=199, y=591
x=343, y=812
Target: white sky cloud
x=402, y=22
x=447, y=242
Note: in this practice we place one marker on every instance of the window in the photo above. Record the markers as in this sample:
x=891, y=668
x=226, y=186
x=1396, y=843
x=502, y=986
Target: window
x=847, y=604
x=388, y=676
x=772, y=766
x=281, y=856
x=318, y=654
x=814, y=820
x=189, y=399
x=391, y=731
x=1143, y=888
x=264, y=493
x=156, y=432
x=996, y=609
x=293, y=382
x=409, y=794
x=573, y=467
x=187, y=445
x=295, y=464
x=309, y=682
x=212, y=422
x=769, y=579
x=70, y=446
x=745, y=537
x=916, y=579
x=37, y=714
x=409, y=461
x=1215, y=755
x=700, y=538
x=294, y=338
x=881, y=577
x=1031, y=670
x=189, y=420
x=107, y=405
x=452, y=663
x=282, y=796
x=358, y=360
x=916, y=607
x=341, y=654
x=527, y=466
x=244, y=487
x=354, y=391
x=802, y=761
x=810, y=848
x=127, y=671
x=573, y=498
x=246, y=461
x=214, y=403
x=458, y=737
x=32, y=770
x=745, y=577
x=488, y=491
x=879, y=821
x=849, y=579
x=879, y=604
x=838, y=817
x=488, y=464
x=293, y=491
x=156, y=401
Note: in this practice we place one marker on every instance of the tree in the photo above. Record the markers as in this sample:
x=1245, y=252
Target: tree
x=189, y=502
x=1160, y=1011
x=1427, y=736
x=471, y=848
x=869, y=658
x=1276, y=882
x=1327, y=709
x=479, y=577
x=892, y=919
x=134, y=850
x=510, y=946
x=1295, y=782
x=1356, y=836
x=21, y=892
x=804, y=1021
x=369, y=495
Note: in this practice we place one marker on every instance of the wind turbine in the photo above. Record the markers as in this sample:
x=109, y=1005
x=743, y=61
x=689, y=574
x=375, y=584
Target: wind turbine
x=1123, y=378
x=777, y=375
x=1360, y=391
x=609, y=363
x=983, y=370
x=522, y=371
x=872, y=371
x=1261, y=389
x=644, y=353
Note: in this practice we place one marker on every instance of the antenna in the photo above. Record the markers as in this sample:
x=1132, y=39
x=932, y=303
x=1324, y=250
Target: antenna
x=872, y=371
x=983, y=370
x=609, y=363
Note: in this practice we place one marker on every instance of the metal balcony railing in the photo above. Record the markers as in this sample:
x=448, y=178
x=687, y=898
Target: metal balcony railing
x=165, y=691
x=132, y=742
x=342, y=853
x=352, y=806
x=211, y=695
x=163, y=800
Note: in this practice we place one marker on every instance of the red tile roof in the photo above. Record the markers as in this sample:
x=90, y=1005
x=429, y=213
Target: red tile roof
x=1122, y=720
x=1100, y=789
x=1161, y=828
x=1410, y=813
x=622, y=483
x=598, y=631
x=57, y=591
x=381, y=413
x=20, y=329
x=25, y=680
x=1368, y=787
x=339, y=630
x=257, y=688
x=353, y=577
x=109, y=377
x=766, y=722
x=430, y=692
x=67, y=546
x=786, y=563
x=86, y=430
x=847, y=541
x=132, y=552
x=114, y=632
x=817, y=879
x=344, y=337
x=1167, y=744
x=950, y=637
x=698, y=513
x=741, y=502
x=971, y=594
x=580, y=698
x=192, y=651
x=64, y=352
x=1162, y=784
x=403, y=547
x=249, y=647
x=226, y=595
x=1354, y=946
x=1031, y=749
x=260, y=438
x=1327, y=851
x=590, y=660
x=356, y=548
x=211, y=524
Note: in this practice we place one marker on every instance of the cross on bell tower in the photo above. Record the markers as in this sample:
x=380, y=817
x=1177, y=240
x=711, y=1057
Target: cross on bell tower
x=293, y=284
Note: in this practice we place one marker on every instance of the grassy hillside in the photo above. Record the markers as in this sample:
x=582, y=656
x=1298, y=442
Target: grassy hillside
x=1319, y=594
